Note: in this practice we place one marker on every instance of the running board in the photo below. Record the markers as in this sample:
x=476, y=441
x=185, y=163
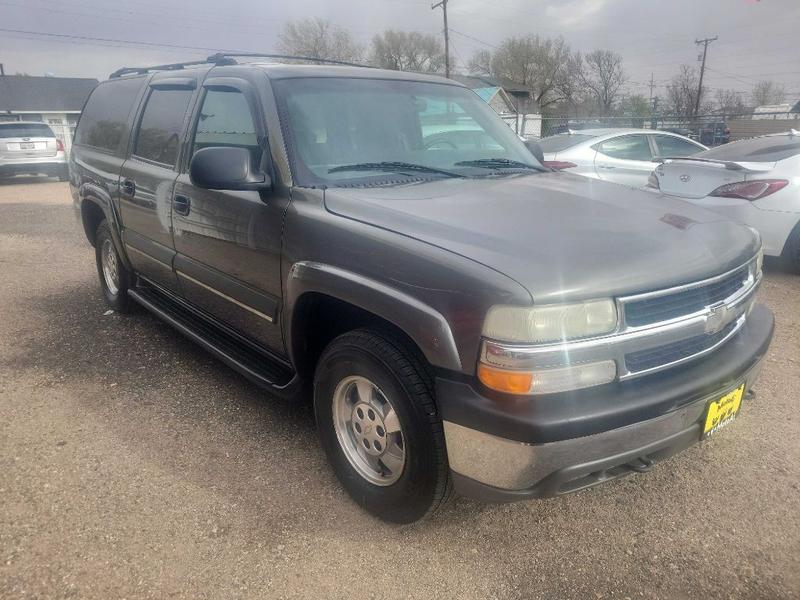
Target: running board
x=256, y=366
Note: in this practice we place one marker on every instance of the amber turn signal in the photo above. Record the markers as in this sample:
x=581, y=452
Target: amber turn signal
x=510, y=382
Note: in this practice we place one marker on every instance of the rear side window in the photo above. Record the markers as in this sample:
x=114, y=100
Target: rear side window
x=672, y=146
x=562, y=141
x=105, y=116
x=161, y=125
x=22, y=130
x=626, y=147
x=764, y=149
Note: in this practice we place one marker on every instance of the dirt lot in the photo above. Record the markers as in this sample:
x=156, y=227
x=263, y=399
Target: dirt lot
x=133, y=465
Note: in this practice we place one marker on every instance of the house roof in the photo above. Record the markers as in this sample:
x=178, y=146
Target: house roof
x=44, y=94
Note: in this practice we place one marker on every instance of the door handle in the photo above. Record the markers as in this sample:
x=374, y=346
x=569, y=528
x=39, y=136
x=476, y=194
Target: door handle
x=128, y=188
x=609, y=167
x=181, y=204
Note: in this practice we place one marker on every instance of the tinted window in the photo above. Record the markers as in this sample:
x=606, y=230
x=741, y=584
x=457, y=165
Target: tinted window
x=14, y=130
x=672, y=146
x=764, y=149
x=105, y=116
x=161, y=124
x=225, y=120
x=562, y=141
x=626, y=147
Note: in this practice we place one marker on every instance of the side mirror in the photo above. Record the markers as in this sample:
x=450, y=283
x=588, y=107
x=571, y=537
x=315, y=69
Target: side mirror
x=535, y=149
x=226, y=168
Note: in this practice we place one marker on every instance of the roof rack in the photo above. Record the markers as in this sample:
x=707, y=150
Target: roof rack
x=220, y=56
x=227, y=58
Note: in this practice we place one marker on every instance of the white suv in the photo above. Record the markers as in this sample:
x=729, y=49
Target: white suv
x=31, y=147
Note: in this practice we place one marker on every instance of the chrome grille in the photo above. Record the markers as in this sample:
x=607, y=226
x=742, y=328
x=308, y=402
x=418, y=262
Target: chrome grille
x=685, y=302
x=645, y=360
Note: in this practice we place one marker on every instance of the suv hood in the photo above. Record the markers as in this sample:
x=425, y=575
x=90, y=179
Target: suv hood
x=561, y=236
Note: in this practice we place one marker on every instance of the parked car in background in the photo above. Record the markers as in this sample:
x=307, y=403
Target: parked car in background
x=624, y=156
x=714, y=134
x=682, y=131
x=755, y=181
x=31, y=147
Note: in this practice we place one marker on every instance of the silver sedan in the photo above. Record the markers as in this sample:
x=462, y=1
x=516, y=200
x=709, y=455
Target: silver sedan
x=625, y=156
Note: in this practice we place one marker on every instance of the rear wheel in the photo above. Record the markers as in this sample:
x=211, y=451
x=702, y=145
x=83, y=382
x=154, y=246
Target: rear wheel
x=379, y=426
x=114, y=276
x=791, y=251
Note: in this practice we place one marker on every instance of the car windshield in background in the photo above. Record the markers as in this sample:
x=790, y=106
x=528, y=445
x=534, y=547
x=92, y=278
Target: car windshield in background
x=29, y=130
x=770, y=148
x=341, y=130
x=562, y=141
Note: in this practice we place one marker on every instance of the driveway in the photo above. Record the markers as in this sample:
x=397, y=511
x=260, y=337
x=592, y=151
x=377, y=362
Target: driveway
x=133, y=465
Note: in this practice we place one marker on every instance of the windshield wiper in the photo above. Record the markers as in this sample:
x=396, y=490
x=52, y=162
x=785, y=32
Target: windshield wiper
x=394, y=166
x=498, y=163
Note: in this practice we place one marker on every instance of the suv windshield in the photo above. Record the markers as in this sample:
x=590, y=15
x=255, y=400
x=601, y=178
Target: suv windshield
x=21, y=130
x=342, y=130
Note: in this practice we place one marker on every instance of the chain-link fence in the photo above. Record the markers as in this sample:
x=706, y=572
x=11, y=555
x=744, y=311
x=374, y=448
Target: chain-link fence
x=711, y=130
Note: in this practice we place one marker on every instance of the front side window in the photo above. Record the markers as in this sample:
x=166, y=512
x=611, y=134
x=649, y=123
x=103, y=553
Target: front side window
x=626, y=147
x=669, y=146
x=161, y=124
x=225, y=120
x=335, y=126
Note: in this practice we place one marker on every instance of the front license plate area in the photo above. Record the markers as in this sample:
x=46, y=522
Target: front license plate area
x=722, y=411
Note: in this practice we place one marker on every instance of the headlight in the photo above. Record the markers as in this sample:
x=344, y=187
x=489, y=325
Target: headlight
x=550, y=322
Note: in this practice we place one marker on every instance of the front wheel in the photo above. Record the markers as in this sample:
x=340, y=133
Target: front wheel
x=379, y=426
x=791, y=251
x=114, y=276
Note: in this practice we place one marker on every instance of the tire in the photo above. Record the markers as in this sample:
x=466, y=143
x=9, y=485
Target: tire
x=115, y=289
x=791, y=251
x=422, y=484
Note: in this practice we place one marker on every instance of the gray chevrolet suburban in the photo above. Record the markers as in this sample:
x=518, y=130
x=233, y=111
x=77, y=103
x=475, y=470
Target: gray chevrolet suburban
x=465, y=319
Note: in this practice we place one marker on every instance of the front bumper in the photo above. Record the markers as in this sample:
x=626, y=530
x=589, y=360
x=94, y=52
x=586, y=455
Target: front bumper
x=503, y=449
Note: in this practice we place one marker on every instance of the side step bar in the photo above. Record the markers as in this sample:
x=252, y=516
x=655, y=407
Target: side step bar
x=256, y=366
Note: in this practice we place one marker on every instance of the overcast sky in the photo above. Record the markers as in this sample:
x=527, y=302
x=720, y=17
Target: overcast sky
x=757, y=38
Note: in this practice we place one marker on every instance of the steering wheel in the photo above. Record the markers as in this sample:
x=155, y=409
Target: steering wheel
x=434, y=143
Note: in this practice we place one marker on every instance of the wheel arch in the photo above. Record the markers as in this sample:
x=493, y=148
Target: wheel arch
x=317, y=292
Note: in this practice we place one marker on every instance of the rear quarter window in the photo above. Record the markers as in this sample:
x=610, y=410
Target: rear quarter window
x=22, y=130
x=562, y=141
x=105, y=116
x=764, y=149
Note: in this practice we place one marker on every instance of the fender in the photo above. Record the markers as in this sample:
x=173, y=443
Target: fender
x=426, y=326
x=91, y=192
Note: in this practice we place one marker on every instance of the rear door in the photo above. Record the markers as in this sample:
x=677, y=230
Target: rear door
x=147, y=179
x=229, y=242
x=625, y=159
x=19, y=141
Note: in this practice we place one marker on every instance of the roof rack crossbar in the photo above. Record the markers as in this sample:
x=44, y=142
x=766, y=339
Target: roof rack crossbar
x=221, y=56
x=227, y=58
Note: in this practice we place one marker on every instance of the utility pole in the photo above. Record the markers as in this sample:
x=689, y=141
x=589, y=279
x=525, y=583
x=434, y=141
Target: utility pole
x=652, y=86
x=705, y=43
x=443, y=4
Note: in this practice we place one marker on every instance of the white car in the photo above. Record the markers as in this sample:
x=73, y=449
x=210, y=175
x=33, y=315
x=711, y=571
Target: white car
x=755, y=181
x=625, y=156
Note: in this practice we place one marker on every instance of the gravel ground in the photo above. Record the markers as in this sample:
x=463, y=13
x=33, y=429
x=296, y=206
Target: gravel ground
x=133, y=465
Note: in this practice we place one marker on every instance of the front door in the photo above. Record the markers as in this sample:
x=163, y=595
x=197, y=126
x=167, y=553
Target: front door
x=228, y=243
x=148, y=177
x=626, y=159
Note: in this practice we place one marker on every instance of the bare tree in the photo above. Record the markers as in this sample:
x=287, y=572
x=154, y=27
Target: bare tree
x=682, y=92
x=729, y=101
x=604, y=77
x=768, y=92
x=635, y=105
x=531, y=61
x=570, y=83
x=318, y=38
x=407, y=51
